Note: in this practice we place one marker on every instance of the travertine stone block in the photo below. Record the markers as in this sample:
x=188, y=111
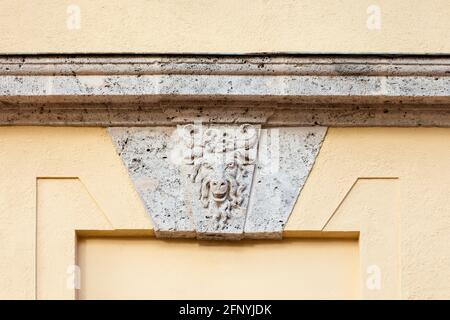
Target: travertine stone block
x=218, y=181
x=285, y=159
x=146, y=154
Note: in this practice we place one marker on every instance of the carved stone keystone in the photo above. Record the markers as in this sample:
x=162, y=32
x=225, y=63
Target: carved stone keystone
x=219, y=162
x=218, y=181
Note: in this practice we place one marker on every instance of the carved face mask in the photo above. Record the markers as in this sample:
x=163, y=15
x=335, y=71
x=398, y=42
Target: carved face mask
x=219, y=178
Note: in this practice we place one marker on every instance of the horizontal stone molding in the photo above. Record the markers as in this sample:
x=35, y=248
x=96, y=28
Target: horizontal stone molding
x=269, y=90
x=267, y=114
x=226, y=65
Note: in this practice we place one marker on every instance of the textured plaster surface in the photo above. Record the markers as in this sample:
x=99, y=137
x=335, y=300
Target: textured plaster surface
x=86, y=155
x=418, y=159
x=63, y=206
x=365, y=180
x=224, y=26
x=287, y=269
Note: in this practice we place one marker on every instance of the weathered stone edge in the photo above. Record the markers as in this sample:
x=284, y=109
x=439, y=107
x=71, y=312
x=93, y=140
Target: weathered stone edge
x=269, y=90
x=235, y=87
x=231, y=65
x=266, y=114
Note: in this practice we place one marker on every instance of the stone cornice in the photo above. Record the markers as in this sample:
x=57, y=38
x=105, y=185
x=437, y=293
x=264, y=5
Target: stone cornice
x=226, y=65
x=271, y=90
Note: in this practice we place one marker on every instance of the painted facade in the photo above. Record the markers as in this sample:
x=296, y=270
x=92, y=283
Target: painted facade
x=273, y=176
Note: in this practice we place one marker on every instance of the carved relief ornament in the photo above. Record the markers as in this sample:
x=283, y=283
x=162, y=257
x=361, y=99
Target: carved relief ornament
x=221, y=162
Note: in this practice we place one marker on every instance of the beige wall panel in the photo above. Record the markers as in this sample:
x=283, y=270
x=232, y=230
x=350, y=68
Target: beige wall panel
x=224, y=26
x=389, y=184
x=30, y=154
x=371, y=207
x=156, y=269
x=64, y=205
x=419, y=159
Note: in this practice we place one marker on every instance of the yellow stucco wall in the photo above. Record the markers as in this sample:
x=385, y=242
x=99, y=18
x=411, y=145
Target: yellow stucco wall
x=225, y=26
x=391, y=184
x=384, y=188
x=153, y=269
x=83, y=162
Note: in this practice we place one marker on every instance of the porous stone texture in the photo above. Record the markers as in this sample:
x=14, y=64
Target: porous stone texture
x=275, y=64
x=231, y=86
x=194, y=180
x=218, y=181
x=269, y=114
x=219, y=162
x=146, y=154
x=285, y=158
x=269, y=90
